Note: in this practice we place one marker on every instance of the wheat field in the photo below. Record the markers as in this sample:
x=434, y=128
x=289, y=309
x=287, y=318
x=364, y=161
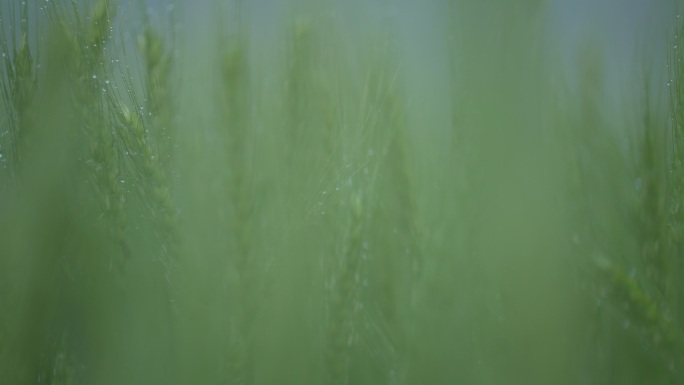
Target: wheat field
x=190, y=197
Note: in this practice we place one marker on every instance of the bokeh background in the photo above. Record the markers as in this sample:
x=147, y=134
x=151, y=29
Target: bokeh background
x=358, y=192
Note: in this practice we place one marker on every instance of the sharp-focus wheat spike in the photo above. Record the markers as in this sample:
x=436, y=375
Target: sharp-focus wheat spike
x=143, y=133
x=160, y=104
x=99, y=126
x=98, y=31
x=154, y=186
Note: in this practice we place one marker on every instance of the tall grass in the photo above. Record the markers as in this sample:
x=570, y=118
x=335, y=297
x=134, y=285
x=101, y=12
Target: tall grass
x=242, y=210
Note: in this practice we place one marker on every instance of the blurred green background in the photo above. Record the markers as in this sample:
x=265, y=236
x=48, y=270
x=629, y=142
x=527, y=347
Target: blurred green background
x=318, y=192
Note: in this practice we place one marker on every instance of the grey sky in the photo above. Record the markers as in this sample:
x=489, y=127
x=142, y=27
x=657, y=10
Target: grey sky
x=631, y=33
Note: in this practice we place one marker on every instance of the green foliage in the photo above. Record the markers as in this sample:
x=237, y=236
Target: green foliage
x=234, y=210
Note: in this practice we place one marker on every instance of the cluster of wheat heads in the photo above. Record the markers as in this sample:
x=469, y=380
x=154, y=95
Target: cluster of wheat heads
x=623, y=199
x=86, y=201
x=327, y=233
